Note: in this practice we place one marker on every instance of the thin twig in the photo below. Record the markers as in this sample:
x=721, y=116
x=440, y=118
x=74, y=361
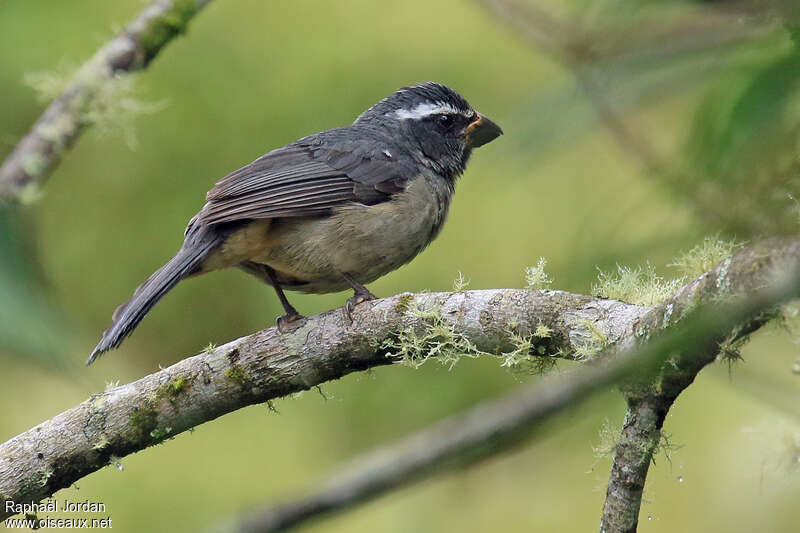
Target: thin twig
x=39, y=152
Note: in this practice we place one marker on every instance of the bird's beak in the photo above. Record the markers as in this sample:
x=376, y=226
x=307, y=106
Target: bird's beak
x=481, y=131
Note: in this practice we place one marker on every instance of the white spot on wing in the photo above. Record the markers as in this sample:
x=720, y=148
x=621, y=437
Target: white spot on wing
x=387, y=153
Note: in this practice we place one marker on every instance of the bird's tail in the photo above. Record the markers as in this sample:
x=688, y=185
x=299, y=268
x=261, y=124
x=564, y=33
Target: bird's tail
x=128, y=315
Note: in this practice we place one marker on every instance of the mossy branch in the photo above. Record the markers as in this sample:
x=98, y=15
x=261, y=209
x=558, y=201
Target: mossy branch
x=652, y=377
x=37, y=154
x=268, y=364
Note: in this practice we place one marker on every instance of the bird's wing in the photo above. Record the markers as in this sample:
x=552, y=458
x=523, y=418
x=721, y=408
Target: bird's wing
x=306, y=178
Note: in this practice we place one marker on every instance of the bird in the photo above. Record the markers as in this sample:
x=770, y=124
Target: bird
x=331, y=211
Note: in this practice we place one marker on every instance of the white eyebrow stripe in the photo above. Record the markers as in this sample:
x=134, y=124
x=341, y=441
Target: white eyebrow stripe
x=425, y=109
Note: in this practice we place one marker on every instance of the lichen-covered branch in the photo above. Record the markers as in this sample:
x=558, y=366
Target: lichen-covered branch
x=649, y=401
x=462, y=440
x=499, y=425
x=641, y=437
x=268, y=364
x=37, y=154
x=458, y=441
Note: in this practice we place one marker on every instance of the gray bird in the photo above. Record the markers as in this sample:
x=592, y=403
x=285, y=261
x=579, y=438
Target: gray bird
x=331, y=211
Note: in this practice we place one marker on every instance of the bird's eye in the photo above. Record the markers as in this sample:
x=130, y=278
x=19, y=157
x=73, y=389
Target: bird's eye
x=445, y=119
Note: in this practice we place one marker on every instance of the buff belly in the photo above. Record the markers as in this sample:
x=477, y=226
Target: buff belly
x=366, y=242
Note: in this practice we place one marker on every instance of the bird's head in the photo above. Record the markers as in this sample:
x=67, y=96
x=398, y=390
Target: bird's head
x=439, y=124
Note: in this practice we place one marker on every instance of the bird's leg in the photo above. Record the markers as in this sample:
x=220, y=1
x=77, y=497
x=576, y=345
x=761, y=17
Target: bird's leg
x=361, y=294
x=291, y=316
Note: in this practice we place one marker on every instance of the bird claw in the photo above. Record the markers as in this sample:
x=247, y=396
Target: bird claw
x=354, y=300
x=289, y=322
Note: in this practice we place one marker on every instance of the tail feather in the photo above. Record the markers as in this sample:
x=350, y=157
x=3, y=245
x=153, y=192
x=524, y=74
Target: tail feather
x=128, y=315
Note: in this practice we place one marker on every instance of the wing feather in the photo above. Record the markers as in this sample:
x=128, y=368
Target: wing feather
x=306, y=178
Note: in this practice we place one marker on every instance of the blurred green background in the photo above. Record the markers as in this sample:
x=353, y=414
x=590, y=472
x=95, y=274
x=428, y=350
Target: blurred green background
x=712, y=86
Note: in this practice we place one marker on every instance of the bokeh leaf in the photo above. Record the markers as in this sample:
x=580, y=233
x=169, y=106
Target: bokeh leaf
x=28, y=324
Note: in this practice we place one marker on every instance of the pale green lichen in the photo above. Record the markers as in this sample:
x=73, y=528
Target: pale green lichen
x=542, y=331
x=44, y=476
x=434, y=338
x=403, y=302
x=608, y=438
x=160, y=433
x=31, y=192
x=592, y=340
x=97, y=402
x=665, y=446
x=210, y=347
x=639, y=286
x=107, y=101
x=523, y=345
x=460, y=283
x=101, y=444
x=111, y=385
x=530, y=355
x=114, y=108
x=33, y=164
x=730, y=349
x=536, y=277
x=48, y=84
x=705, y=256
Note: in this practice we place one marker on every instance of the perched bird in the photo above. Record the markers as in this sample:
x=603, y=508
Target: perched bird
x=331, y=211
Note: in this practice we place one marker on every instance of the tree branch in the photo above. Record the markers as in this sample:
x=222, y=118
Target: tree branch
x=268, y=365
x=37, y=154
x=500, y=425
x=649, y=401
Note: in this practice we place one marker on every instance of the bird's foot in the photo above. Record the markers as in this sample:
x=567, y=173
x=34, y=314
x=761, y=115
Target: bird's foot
x=289, y=322
x=359, y=297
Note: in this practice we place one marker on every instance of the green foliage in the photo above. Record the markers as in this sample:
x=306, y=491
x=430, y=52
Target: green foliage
x=28, y=325
x=742, y=173
x=640, y=285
